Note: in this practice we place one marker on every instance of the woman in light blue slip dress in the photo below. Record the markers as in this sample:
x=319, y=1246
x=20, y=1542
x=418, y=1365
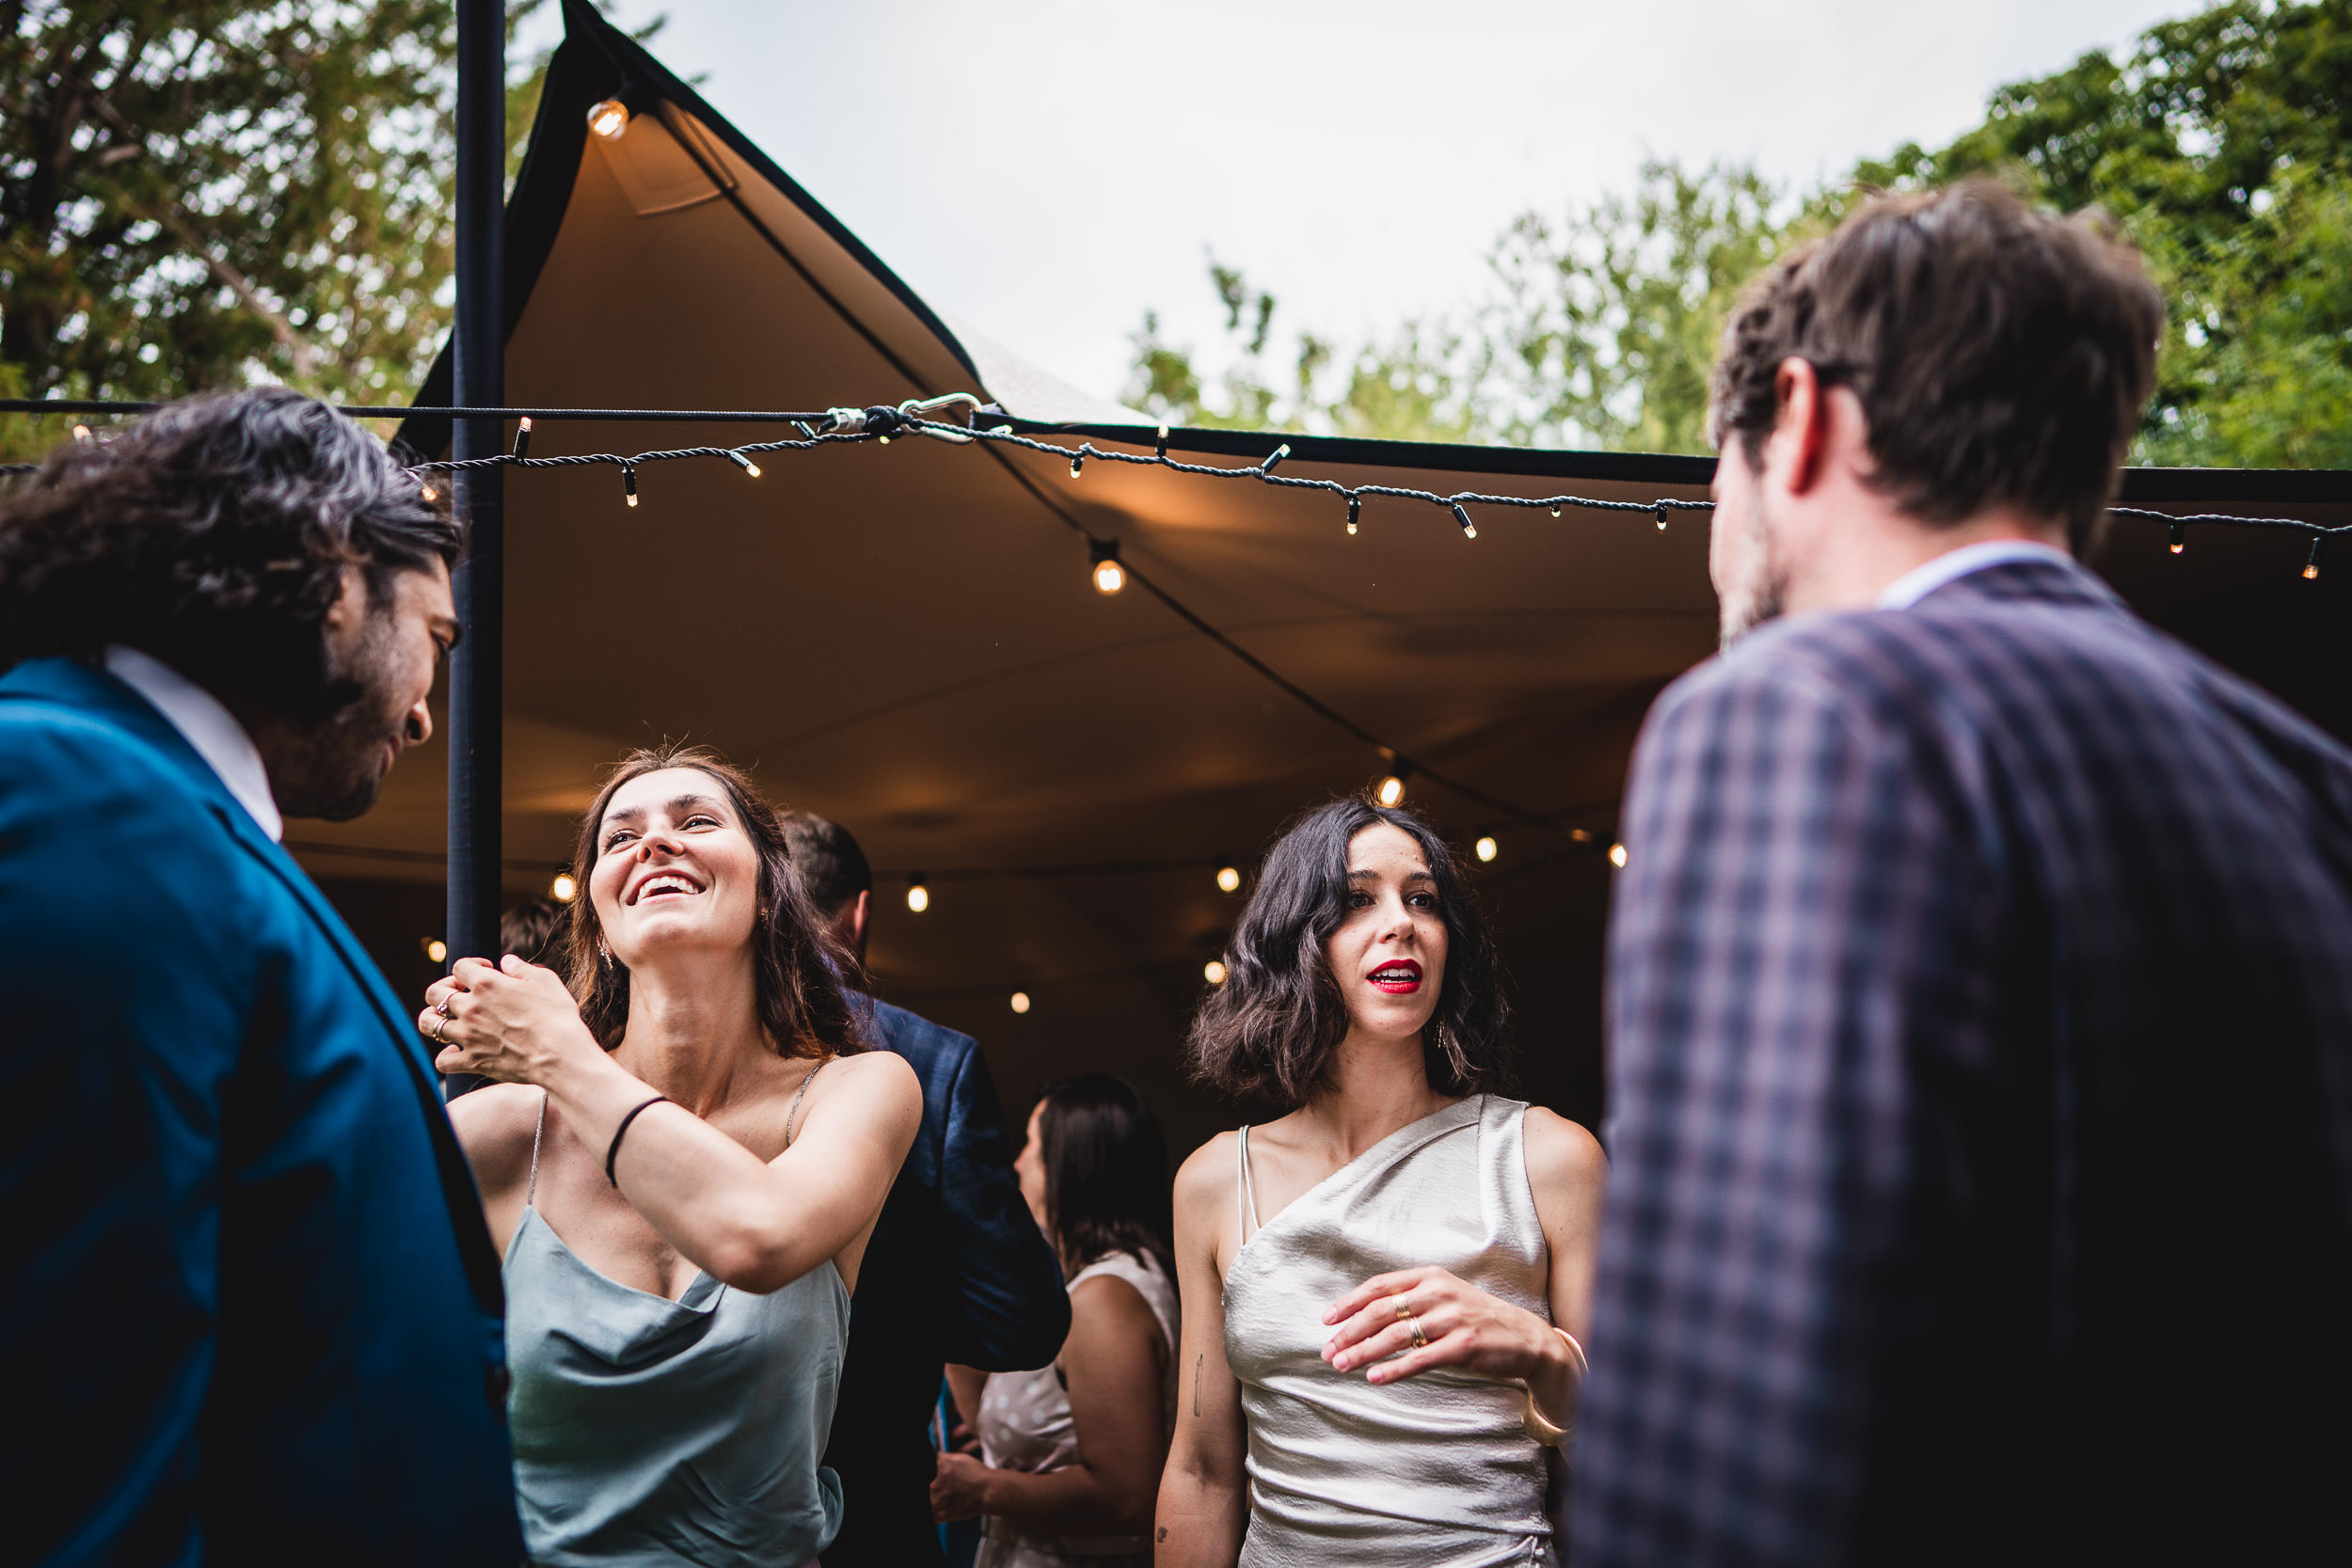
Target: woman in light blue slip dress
x=682, y=1158
x=1382, y=1289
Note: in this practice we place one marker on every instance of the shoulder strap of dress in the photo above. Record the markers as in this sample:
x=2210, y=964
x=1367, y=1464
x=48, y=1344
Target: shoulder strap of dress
x=792, y=1116
x=1247, y=1196
x=531, y=1193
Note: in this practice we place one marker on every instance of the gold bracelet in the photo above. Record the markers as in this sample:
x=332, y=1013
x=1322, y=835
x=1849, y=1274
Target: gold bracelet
x=1533, y=1421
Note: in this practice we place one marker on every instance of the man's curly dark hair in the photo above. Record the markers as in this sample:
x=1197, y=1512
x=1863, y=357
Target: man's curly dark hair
x=213, y=534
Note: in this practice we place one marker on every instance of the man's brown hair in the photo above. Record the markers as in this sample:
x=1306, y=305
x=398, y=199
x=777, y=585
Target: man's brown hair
x=2001, y=354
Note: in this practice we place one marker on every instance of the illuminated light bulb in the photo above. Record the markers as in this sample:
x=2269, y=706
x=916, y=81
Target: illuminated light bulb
x=435, y=949
x=1581, y=835
x=1661, y=516
x=919, y=896
x=1159, y=446
x=562, y=890
x=1487, y=848
x=1021, y=1002
x=428, y=492
x=1616, y=856
x=1354, y=512
x=81, y=433
x=629, y=485
x=2310, y=566
x=1228, y=878
x=609, y=119
x=744, y=463
x=1212, y=972
x=1077, y=461
x=522, y=436
x=1110, y=576
x=1470, y=530
x=1273, y=457
x=1392, y=790
x=1555, y=512
x=2180, y=538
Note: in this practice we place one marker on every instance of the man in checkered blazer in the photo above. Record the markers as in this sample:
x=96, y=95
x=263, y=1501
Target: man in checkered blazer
x=1980, y=979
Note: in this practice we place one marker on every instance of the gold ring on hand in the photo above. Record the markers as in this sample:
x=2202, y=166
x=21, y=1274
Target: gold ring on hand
x=440, y=1024
x=1420, y=1340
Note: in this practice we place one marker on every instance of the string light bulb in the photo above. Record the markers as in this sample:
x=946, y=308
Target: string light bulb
x=1485, y=848
x=1616, y=856
x=609, y=119
x=1273, y=457
x=1159, y=444
x=1392, y=790
x=2311, y=565
x=1555, y=512
x=1470, y=530
x=427, y=491
x=1228, y=878
x=629, y=482
x=81, y=433
x=1354, y=512
x=1077, y=461
x=1021, y=1002
x=1661, y=516
x=2180, y=537
x=743, y=463
x=562, y=890
x=919, y=896
x=1213, y=972
x=1109, y=575
x=435, y=949
x=522, y=436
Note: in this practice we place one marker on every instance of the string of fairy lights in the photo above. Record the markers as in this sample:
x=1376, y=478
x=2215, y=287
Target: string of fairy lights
x=879, y=425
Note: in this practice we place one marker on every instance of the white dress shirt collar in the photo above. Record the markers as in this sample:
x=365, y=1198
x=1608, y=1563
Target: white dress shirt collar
x=1927, y=576
x=206, y=725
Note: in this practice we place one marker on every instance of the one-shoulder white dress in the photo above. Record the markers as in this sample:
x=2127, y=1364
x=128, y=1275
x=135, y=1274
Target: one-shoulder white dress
x=1435, y=1469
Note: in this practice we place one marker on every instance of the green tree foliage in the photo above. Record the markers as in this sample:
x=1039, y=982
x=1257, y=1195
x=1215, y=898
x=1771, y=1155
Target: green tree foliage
x=2222, y=144
x=215, y=193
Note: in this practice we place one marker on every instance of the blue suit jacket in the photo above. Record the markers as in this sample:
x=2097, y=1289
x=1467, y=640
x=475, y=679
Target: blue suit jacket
x=1981, y=1019
x=957, y=1271
x=252, y=1313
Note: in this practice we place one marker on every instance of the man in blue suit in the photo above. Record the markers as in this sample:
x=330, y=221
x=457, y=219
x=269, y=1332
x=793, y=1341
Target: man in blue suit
x=957, y=1271
x=1980, y=978
x=252, y=1315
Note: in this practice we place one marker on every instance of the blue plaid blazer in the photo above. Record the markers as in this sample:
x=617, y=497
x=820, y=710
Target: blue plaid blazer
x=1981, y=1019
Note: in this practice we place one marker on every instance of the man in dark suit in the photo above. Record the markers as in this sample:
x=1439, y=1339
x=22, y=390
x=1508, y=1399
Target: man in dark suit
x=252, y=1315
x=1980, y=978
x=957, y=1271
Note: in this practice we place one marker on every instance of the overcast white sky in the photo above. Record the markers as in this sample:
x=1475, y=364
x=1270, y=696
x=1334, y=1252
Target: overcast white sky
x=1045, y=171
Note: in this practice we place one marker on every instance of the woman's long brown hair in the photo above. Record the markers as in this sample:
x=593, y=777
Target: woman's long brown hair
x=800, y=971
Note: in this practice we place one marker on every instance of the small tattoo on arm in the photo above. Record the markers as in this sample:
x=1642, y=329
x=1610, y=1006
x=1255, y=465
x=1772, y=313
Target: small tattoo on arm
x=1163, y=1532
x=1198, y=1362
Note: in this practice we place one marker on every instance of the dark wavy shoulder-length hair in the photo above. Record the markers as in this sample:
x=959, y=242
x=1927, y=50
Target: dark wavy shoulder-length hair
x=215, y=535
x=1107, y=1187
x=1271, y=1030
x=800, y=971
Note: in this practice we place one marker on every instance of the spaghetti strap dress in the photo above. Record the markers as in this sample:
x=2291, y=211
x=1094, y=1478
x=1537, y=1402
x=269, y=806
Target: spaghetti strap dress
x=1434, y=1469
x=650, y=1432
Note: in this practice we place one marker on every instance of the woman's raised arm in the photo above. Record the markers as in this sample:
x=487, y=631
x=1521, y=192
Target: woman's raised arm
x=756, y=1227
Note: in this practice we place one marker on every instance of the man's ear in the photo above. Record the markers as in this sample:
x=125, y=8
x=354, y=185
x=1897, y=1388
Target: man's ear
x=1797, y=453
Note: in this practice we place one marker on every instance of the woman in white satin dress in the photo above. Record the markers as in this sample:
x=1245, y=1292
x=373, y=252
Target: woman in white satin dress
x=1383, y=1289
x=1071, y=1454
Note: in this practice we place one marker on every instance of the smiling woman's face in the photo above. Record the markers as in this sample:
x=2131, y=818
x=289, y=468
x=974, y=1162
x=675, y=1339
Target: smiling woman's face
x=674, y=868
x=1388, y=953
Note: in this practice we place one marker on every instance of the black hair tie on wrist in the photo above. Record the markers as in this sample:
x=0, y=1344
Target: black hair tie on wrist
x=615, y=1153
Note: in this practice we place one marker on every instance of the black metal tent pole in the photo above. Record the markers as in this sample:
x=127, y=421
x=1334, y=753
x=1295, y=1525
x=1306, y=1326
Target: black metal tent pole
x=475, y=696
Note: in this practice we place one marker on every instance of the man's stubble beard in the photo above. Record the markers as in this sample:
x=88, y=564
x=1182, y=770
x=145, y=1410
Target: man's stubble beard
x=1763, y=594
x=333, y=767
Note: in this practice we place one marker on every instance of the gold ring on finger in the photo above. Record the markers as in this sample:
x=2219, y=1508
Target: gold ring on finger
x=442, y=1007
x=439, y=1024
x=1403, y=1311
x=1420, y=1340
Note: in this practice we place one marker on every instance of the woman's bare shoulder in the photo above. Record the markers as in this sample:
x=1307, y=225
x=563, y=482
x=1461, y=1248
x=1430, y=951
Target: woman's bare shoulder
x=1210, y=1174
x=870, y=1083
x=495, y=1125
x=1560, y=1150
